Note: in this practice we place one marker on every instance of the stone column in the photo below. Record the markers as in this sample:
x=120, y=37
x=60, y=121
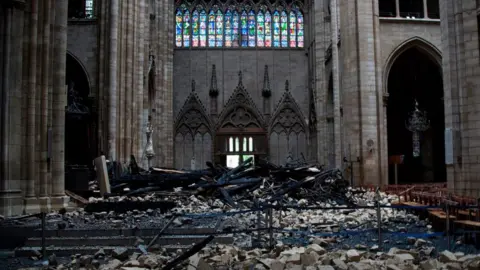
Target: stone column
x=397, y=8
x=11, y=32
x=45, y=54
x=425, y=9
x=141, y=79
x=336, y=83
x=31, y=204
x=112, y=71
x=59, y=199
x=320, y=82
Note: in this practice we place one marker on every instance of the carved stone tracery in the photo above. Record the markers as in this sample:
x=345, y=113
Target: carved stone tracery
x=247, y=5
x=193, y=118
x=240, y=110
x=287, y=116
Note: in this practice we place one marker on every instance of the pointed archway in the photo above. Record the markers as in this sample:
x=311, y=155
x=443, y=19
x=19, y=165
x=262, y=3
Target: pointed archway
x=80, y=127
x=241, y=131
x=415, y=116
x=288, y=131
x=193, y=134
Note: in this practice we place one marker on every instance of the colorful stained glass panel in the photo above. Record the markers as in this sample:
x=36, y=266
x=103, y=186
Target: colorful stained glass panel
x=300, y=34
x=178, y=28
x=268, y=29
x=228, y=29
x=203, y=28
x=195, y=28
x=244, y=29
x=251, y=29
x=276, y=29
x=260, y=29
x=186, y=29
x=211, y=29
x=284, y=29
x=293, y=29
x=219, y=29
x=235, y=28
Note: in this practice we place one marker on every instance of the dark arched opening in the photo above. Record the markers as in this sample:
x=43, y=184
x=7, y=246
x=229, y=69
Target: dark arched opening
x=80, y=127
x=415, y=77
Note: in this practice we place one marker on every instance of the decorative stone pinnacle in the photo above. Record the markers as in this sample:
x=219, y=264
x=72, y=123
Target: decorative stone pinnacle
x=287, y=86
x=240, y=82
x=213, y=83
x=266, y=92
x=193, y=85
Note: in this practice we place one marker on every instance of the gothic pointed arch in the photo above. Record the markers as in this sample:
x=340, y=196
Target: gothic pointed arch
x=240, y=111
x=287, y=130
x=193, y=134
x=241, y=131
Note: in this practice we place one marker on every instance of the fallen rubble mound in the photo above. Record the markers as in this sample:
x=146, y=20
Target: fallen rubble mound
x=311, y=257
x=246, y=185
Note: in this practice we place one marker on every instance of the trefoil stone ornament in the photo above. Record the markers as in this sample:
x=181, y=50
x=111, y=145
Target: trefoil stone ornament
x=149, y=152
x=417, y=123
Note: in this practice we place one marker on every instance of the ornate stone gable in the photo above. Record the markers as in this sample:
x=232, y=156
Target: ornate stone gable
x=287, y=115
x=192, y=118
x=240, y=110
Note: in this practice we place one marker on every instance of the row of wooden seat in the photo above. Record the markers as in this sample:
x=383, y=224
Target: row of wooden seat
x=454, y=216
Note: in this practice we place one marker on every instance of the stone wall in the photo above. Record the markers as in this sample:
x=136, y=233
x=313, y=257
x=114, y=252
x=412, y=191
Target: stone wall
x=280, y=66
x=461, y=75
x=83, y=45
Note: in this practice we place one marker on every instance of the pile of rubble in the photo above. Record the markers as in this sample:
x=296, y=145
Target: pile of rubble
x=246, y=185
x=311, y=257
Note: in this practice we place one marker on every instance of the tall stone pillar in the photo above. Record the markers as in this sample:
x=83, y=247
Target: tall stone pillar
x=31, y=202
x=11, y=33
x=360, y=51
x=59, y=199
x=320, y=89
x=336, y=84
x=112, y=79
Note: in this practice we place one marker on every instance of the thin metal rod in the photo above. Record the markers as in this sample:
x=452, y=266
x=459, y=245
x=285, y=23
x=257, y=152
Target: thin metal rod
x=161, y=231
x=270, y=221
x=44, y=244
x=379, y=219
x=448, y=224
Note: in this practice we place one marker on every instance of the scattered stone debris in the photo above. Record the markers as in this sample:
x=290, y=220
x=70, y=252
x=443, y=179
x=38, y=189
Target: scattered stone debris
x=282, y=257
x=139, y=199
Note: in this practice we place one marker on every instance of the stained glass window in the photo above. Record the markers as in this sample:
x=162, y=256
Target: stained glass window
x=268, y=29
x=260, y=30
x=178, y=28
x=300, y=35
x=244, y=25
x=228, y=28
x=284, y=29
x=293, y=29
x=219, y=29
x=203, y=28
x=251, y=29
x=186, y=28
x=211, y=29
x=235, y=27
x=276, y=29
x=215, y=28
x=195, y=28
